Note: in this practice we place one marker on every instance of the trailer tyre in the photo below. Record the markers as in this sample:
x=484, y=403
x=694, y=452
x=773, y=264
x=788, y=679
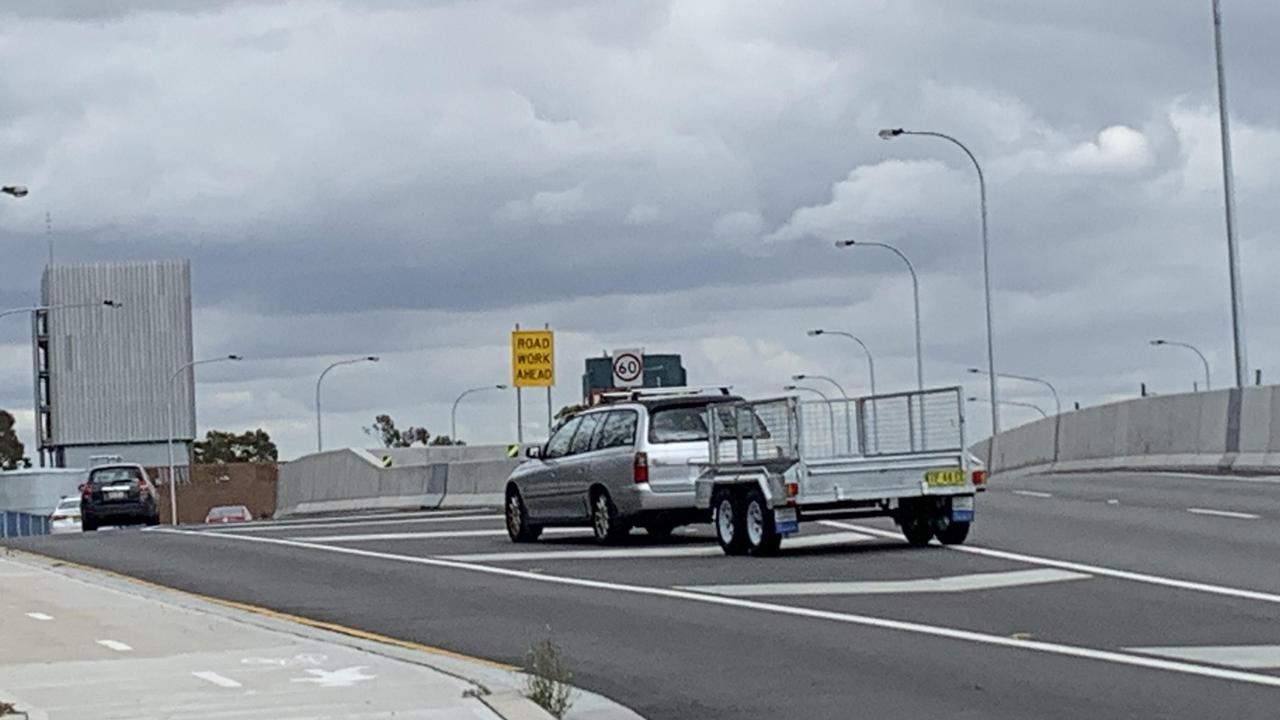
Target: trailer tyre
x=729, y=522
x=917, y=529
x=762, y=534
x=954, y=533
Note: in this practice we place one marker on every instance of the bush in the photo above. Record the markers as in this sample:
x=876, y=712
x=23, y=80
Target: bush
x=548, y=678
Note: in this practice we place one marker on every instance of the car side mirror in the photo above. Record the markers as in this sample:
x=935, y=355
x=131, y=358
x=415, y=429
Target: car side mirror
x=534, y=453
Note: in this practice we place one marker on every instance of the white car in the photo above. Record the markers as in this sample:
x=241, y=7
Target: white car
x=65, y=517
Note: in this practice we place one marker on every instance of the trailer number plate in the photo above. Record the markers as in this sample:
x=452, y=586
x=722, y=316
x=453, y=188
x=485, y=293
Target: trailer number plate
x=785, y=521
x=944, y=478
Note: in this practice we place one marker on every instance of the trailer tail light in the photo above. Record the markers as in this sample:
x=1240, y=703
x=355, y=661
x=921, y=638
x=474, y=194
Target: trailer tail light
x=641, y=468
x=792, y=491
x=980, y=478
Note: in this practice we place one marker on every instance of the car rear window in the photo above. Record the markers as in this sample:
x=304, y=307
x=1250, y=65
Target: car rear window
x=108, y=476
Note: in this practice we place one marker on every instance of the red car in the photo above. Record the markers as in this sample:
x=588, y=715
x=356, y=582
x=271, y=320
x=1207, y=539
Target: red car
x=228, y=514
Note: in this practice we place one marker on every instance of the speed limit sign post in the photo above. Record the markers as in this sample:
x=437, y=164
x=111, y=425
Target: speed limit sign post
x=628, y=368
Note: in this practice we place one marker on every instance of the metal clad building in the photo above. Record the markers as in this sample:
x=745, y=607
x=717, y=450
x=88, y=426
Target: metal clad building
x=102, y=374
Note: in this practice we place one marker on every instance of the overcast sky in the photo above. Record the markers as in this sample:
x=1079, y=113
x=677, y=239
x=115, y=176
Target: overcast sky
x=412, y=178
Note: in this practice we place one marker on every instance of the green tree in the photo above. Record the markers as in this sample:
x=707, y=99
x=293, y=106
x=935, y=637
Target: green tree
x=440, y=440
x=12, y=451
x=226, y=447
x=384, y=428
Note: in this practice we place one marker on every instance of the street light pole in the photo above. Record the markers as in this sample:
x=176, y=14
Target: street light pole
x=848, y=417
x=915, y=296
x=1014, y=403
x=352, y=361
x=871, y=372
x=1229, y=191
x=1203, y=360
x=986, y=261
x=173, y=479
x=453, y=414
x=831, y=413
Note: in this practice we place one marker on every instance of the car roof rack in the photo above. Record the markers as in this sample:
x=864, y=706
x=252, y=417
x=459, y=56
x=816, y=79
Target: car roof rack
x=660, y=393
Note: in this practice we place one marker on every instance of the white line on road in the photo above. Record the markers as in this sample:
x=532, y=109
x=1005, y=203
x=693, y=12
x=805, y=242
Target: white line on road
x=1248, y=657
x=1113, y=501
x=953, y=584
x=39, y=616
x=438, y=535
x=216, y=679
x=357, y=523
x=711, y=550
x=114, y=645
x=1223, y=513
x=1084, y=568
x=848, y=618
x=1033, y=493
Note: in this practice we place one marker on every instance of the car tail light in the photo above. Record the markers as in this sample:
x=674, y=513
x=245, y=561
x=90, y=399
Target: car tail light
x=86, y=491
x=56, y=518
x=641, y=468
x=979, y=477
x=144, y=489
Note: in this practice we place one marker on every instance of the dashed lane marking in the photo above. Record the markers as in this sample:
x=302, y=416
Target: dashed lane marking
x=39, y=616
x=219, y=680
x=1048, y=648
x=953, y=584
x=1032, y=493
x=114, y=645
x=1223, y=513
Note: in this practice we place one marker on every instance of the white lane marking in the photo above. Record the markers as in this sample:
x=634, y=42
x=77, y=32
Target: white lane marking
x=1223, y=513
x=1084, y=568
x=438, y=535
x=363, y=523
x=216, y=679
x=40, y=616
x=1248, y=657
x=114, y=645
x=953, y=584
x=346, y=677
x=1033, y=493
x=1113, y=501
x=712, y=550
x=847, y=618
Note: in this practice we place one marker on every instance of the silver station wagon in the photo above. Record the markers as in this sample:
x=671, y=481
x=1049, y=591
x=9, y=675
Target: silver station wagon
x=632, y=462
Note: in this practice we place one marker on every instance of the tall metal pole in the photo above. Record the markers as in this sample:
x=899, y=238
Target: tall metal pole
x=173, y=478
x=319, y=428
x=848, y=416
x=1203, y=360
x=831, y=413
x=915, y=297
x=1228, y=188
x=871, y=372
x=986, y=268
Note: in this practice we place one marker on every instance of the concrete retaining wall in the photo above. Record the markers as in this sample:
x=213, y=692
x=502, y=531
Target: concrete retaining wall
x=38, y=491
x=348, y=480
x=1221, y=431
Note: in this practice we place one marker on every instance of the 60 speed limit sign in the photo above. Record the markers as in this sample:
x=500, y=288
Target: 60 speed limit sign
x=628, y=368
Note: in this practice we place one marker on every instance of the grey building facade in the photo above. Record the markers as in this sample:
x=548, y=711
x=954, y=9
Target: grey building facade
x=102, y=375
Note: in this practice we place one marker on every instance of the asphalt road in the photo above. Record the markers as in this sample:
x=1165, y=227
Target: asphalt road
x=1065, y=603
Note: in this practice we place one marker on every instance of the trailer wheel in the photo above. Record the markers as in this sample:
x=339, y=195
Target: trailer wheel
x=954, y=533
x=762, y=534
x=727, y=517
x=918, y=529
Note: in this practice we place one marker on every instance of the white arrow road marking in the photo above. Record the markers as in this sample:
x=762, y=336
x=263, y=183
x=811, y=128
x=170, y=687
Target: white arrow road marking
x=1223, y=513
x=346, y=677
x=39, y=616
x=216, y=679
x=808, y=541
x=114, y=645
x=439, y=535
x=956, y=583
x=1249, y=657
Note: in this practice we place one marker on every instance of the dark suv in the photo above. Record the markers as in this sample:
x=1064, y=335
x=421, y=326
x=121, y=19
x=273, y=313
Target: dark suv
x=118, y=495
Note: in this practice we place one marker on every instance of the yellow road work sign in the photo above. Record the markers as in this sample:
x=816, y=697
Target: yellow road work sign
x=533, y=358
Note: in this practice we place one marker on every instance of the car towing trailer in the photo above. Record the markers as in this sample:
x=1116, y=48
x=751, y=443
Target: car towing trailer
x=775, y=463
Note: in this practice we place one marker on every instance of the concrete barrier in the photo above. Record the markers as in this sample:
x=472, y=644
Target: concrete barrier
x=1236, y=430
x=352, y=480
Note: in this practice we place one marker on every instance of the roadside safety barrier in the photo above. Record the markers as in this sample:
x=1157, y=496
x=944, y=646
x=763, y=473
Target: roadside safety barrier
x=20, y=524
